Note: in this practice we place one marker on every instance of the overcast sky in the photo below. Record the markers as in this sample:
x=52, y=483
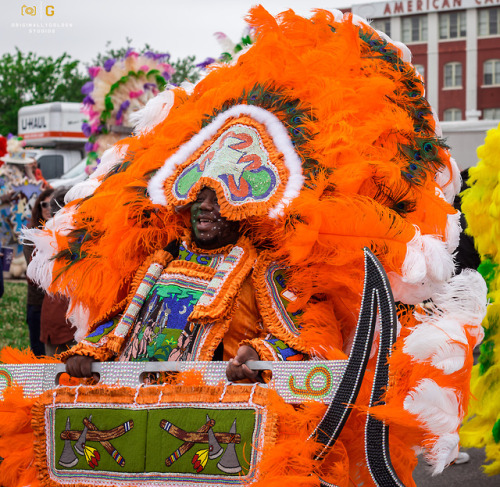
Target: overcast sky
x=180, y=27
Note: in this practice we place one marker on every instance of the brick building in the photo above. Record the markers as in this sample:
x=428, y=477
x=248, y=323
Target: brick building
x=455, y=46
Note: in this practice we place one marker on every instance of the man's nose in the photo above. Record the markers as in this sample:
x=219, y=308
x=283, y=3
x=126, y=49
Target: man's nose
x=207, y=203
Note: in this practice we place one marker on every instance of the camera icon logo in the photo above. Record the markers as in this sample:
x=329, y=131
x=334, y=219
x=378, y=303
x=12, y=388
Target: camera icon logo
x=25, y=10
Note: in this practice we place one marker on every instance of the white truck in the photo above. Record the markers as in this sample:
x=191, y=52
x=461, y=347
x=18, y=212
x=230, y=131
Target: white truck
x=53, y=136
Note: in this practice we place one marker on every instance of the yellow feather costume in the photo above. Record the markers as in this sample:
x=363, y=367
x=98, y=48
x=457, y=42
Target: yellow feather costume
x=481, y=205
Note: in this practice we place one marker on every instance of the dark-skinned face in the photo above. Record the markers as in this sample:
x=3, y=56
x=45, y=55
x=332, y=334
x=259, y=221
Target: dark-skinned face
x=210, y=229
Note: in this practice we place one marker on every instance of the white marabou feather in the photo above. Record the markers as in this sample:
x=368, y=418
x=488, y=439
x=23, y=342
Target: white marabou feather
x=437, y=408
x=442, y=343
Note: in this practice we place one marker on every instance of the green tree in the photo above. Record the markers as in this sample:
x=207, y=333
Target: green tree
x=29, y=79
x=185, y=68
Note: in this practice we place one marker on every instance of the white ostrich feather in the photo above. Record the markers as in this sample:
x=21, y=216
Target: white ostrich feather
x=443, y=452
x=110, y=158
x=155, y=111
x=41, y=266
x=79, y=318
x=437, y=408
x=452, y=232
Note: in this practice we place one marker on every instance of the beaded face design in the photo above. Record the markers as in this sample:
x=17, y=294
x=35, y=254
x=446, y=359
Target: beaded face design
x=238, y=162
x=245, y=155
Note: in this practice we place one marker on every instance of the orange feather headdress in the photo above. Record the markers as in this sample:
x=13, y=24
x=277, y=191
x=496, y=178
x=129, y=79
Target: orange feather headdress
x=320, y=140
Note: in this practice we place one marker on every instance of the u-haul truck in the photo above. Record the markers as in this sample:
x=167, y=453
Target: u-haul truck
x=53, y=136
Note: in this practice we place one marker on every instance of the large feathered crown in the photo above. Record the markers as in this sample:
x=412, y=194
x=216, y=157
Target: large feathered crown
x=319, y=139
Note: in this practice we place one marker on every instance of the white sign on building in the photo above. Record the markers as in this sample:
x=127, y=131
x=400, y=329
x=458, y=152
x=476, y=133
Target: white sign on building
x=411, y=7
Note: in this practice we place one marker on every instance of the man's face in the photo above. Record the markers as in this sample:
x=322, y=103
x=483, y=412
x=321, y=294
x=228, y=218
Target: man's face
x=210, y=229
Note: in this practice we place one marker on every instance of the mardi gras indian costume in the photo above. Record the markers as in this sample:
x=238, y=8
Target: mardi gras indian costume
x=482, y=428
x=319, y=141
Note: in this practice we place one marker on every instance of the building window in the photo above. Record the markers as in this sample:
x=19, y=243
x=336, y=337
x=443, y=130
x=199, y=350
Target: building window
x=452, y=25
x=453, y=75
x=452, y=115
x=488, y=21
x=420, y=68
x=414, y=28
x=492, y=72
x=491, y=114
x=383, y=25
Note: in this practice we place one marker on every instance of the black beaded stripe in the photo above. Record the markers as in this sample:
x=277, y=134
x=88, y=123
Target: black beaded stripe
x=376, y=432
x=339, y=409
x=324, y=483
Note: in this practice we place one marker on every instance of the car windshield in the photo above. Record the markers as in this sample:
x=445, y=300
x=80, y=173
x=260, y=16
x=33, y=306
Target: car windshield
x=75, y=171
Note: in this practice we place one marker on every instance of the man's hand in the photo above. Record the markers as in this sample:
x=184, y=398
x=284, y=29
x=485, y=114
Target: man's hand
x=236, y=368
x=79, y=366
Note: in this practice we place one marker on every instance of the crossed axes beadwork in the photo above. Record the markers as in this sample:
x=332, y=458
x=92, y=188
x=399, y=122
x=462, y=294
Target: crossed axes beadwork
x=228, y=463
x=91, y=433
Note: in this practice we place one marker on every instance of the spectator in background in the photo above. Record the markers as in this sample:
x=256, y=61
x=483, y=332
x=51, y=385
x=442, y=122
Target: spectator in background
x=41, y=213
x=1, y=273
x=55, y=330
x=4, y=199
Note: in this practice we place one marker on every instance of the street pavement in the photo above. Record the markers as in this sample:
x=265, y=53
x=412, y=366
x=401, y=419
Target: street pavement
x=467, y=474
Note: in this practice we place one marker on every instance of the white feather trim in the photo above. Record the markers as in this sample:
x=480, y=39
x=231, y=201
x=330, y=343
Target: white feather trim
x=462, y=298
x=452, y=232
x=79, y=318
x=449, y=182
x=437, y=408
x=153, y=113
x=439, y=261
x=110, y=158
x=404, y=51
x=440, y=338
x=357, y=20
x=337, y=15
x=188, y=87
x=275, y=129
x=414, y=267
x=428, y=262
x=41, y=266
x=444, y=451
x=436, y=342
x=82, y=190
x=410, y=293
